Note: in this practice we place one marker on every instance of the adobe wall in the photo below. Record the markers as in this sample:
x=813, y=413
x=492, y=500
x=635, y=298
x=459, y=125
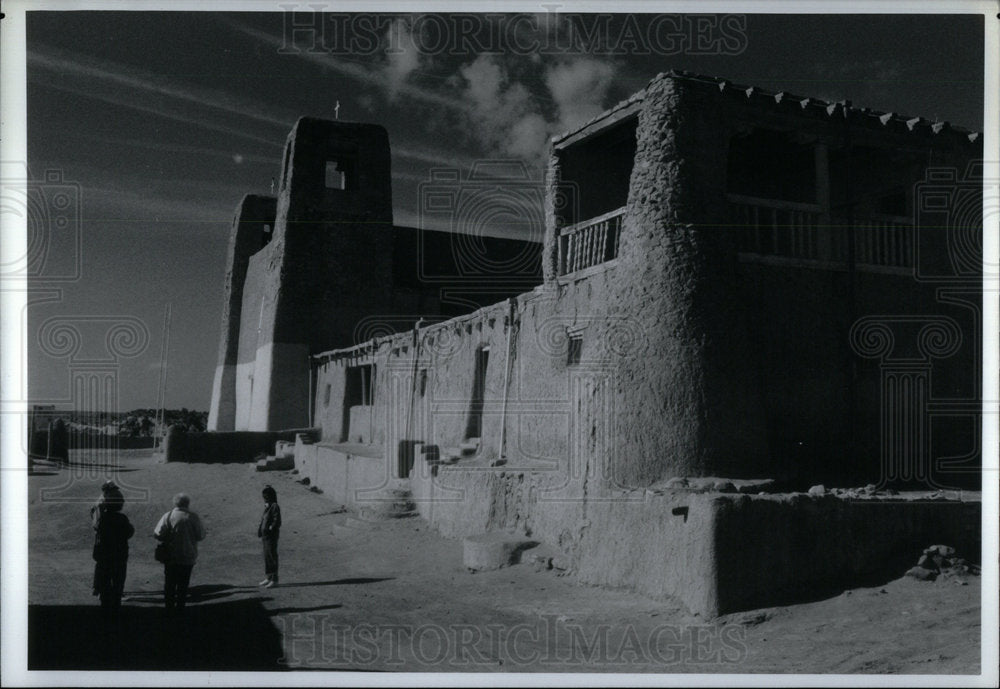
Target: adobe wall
x=350, y=478
x=823, y=401
x=780, y=549
x=714, y=553
x=755, y=373
x=248, y=380
x=216, y=447
x=822, y=392
x=254, y=216
x=305, y=290
x=549, y=401
x=693, y=404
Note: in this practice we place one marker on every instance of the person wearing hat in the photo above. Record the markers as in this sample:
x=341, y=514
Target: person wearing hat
x=112, y=531
x=268, y=530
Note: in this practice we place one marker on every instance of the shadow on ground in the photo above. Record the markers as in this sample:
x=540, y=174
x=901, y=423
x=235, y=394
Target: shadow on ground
x=231, y=635
x=196, y=594
x=339, y=582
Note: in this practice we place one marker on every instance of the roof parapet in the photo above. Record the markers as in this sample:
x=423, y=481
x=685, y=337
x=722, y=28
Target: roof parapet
x=843, y=109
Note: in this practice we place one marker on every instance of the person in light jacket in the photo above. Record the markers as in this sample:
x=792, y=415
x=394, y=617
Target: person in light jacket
x=182, y=529
x=268, y=530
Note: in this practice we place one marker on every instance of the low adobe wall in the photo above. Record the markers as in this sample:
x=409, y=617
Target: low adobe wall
x=714, y=553
x=233, y=446
x=347, y=477
x=659, y=544
x=779, y=549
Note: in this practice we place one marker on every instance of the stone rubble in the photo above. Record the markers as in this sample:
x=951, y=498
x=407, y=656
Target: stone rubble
x=941, y=561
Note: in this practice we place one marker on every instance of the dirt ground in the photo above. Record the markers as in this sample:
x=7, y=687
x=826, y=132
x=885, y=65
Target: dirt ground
x=393, y=596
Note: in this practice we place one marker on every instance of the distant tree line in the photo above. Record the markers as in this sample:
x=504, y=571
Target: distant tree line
x=138, y=423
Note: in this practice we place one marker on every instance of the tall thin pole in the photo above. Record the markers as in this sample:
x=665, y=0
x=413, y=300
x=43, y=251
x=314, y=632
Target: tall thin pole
x=162, y=393
x=512, y=312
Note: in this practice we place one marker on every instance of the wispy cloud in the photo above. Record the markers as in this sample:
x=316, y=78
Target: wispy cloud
x=140, y=198
x=151, y=145
x=138, y=81
x=116, y=205
x=411, y=218
x=441, y=158
x=388, y=81
x=123, y=100
x=149, y=93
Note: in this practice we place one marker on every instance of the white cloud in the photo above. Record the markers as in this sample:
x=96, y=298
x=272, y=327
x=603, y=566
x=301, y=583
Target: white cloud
x=403, y=57
x=505, y=115
x=529, y=137
x=579, y=89
x=509, y=119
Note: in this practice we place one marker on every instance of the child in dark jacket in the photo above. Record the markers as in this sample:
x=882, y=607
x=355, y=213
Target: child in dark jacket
x=113, y=530
x=268, y=531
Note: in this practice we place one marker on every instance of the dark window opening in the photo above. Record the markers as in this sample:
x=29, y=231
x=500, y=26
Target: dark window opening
x=359, y=390
x=326, y=396
x=474, y=428
x=339, y=174
x=422, y=382
x=574, y=349
x=771, y=165
x=595, y=173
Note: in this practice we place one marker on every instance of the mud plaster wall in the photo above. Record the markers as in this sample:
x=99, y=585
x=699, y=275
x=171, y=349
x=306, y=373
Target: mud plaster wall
x=303, y=290
x=593, y=529
x=803, y=544
x=822, y=399
x=344, y=477
x=214, y=447
x=254, y=294
x=799, y=543
x=693, y=408
x=246, y=238
x=557, y=414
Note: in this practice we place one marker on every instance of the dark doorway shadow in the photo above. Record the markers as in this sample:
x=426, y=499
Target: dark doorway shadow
x=233, y=635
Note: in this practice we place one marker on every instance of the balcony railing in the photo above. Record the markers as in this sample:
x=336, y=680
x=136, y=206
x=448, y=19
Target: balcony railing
x=590, y=243
x=797, y=231
x=778, y=231
x=883, y=243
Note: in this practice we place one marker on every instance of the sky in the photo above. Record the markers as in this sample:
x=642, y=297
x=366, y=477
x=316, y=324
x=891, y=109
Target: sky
x=155, y=124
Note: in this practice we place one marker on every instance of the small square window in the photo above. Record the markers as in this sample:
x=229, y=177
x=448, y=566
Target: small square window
x=574, y=349
x=336, y=175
